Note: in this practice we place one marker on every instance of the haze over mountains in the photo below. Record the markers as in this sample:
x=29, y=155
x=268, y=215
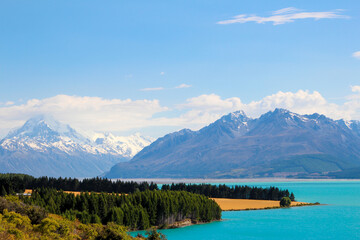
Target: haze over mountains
x=277, y=144
x=44, y=146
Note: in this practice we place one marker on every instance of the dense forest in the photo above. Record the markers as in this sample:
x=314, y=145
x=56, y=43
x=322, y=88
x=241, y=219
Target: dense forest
x=23, y=221
x=235, y=192
x=15, y=183
x=139, y=210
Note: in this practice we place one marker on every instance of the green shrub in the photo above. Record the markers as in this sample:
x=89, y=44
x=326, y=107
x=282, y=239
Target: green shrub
x=114, y=231
x=17, y=233
x=48, y=226
x=155, y=235
x=13, y=204
x=17, y=220
x=285, y=202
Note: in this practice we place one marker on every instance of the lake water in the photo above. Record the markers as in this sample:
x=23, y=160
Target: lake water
x=339, y=219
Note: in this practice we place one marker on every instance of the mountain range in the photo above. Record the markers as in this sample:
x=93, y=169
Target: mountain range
x=45, y=147
x=277, y=144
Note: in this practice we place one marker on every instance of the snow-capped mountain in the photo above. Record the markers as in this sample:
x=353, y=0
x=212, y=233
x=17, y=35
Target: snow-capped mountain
x=118, y=145
x=279, y=143
x=44, y=146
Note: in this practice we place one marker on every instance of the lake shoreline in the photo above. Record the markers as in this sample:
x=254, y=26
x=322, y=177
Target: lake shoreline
x=230, y=180
x=227, y=204
x=270, y=208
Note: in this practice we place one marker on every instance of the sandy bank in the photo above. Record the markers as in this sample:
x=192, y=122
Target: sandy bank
x=227, y=204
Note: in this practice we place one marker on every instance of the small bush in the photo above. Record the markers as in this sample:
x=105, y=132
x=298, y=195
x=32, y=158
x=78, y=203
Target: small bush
x=17, y=233
x=13, y=204
x=114, y=231
x=155, y=235
x=48, y=226
x=285, y=202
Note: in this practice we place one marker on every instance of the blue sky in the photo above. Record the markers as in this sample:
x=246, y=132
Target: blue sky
x=171, y=64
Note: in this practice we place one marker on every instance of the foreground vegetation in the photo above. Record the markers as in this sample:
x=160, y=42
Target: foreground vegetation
x=23, y=221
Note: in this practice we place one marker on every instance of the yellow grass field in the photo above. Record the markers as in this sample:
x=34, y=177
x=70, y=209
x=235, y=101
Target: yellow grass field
x=29, y=191
x=227, y=204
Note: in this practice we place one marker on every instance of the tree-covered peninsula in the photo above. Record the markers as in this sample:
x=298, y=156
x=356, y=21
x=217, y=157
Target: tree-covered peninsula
x=139, y=210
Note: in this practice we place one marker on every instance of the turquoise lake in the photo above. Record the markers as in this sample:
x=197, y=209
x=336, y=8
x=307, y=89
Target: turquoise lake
x=338, y=219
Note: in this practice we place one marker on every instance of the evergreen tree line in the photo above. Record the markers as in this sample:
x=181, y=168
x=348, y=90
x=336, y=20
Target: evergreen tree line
x=235, y=192
x=17, y=183
x=139, y=210
x=11, y=183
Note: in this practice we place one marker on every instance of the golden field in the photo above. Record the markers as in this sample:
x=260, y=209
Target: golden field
x=227, y=204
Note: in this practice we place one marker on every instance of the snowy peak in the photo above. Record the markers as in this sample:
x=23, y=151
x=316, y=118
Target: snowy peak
x=45, y=147
x=34, y=127
x=279, y=114
x=236, y=116
x=46, y=128
x=126, y=146
x=232, y=124
x=283, y=119
x=45, y=134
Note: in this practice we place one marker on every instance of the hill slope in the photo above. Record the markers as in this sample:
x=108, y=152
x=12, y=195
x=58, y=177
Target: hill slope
x=277, y=144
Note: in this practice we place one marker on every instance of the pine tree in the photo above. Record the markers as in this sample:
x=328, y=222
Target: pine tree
x=3, y=191
x=292, y=197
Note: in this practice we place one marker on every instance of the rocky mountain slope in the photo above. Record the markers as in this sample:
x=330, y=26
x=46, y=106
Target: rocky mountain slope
x=277, y=144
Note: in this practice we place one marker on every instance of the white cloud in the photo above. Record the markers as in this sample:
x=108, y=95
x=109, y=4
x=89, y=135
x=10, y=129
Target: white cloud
x=284, y=15
x=161, y=88
x=152, y=89
x=355, y=89
x=183, y=86
x=303, y=102
x=88, y=113
x=9, y=103
x=162, y=73
x=212, y=102
x=205, y=109
x=117, y=115
x=286, y=10
x=356, y=54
